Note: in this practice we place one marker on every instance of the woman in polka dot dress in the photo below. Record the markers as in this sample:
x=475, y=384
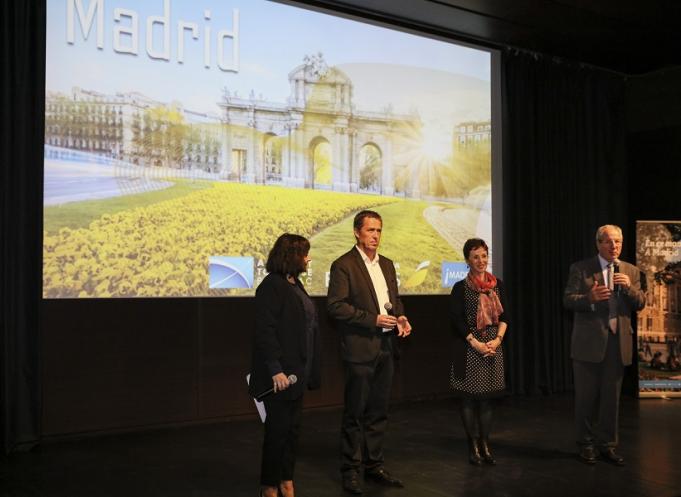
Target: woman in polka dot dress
x=479, y=320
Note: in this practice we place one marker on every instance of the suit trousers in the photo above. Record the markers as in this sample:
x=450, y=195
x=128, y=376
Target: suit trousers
x=282, y=428
x=365, y=413
x=597, y=396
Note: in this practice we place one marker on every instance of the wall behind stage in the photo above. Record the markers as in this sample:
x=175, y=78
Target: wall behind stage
x=654, y=143
x=127, y=363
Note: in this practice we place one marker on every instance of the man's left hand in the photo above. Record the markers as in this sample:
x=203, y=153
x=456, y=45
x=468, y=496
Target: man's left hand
x=403, y=326
x=621, y=279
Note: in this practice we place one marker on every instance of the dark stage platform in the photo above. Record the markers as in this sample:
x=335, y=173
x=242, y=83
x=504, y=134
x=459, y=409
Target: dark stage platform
x=425, y=447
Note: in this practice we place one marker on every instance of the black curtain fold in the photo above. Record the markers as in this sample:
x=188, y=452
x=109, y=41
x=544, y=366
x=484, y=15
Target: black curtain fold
x=564, y=174
x=22, y=36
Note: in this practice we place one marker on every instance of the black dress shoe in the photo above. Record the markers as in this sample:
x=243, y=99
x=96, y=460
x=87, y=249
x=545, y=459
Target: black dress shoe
x=609, y=455
x=486, y=454
x=351, y=483
x=383, y=477
x=587, y=454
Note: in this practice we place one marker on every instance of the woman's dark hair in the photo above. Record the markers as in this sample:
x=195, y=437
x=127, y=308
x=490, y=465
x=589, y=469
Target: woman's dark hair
x=472, y=244
x=287, y=254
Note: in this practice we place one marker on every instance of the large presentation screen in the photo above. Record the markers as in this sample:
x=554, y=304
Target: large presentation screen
x=182, y=137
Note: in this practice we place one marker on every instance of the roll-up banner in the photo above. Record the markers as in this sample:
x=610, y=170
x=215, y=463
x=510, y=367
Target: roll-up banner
x=658, y=256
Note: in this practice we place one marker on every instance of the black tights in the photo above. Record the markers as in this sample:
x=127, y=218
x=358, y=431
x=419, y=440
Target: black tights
x=476, y=415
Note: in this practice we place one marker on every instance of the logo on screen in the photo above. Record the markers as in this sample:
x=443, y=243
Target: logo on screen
x=453, y=272
x=419, y=275
x=230, y=272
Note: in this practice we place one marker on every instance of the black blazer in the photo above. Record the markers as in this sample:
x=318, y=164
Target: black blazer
x=280, y=335
x=353, y=304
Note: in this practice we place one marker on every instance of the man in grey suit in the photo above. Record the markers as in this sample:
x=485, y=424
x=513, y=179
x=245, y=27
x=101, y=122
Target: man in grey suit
x=603, y=292
x=363, y=300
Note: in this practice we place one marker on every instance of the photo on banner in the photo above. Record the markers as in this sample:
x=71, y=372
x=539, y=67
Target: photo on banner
x=658, y=256
x=182, y=137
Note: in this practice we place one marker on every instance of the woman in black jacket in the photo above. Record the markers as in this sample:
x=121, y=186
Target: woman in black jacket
x=286, y=343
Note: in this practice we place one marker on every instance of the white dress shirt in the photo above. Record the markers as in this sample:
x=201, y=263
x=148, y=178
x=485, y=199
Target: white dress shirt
x=378, y=280
x=604, y=270
x=608, y=276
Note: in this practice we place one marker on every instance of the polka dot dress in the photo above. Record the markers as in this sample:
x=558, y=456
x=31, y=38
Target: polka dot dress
x=484, y=375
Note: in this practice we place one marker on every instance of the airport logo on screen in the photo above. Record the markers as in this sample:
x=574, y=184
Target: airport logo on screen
x=453, y=272
x=230, y=272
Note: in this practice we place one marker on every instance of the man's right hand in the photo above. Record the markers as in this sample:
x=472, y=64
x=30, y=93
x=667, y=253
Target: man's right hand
x=598, y=293
x=280, y=382
x=385, y=321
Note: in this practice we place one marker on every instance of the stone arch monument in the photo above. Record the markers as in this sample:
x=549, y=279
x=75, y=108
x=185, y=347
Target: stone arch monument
x=274, y=143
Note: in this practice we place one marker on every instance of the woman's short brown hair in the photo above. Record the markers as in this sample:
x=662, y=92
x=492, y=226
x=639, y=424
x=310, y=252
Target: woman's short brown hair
x=287, y=254
x=472, y=244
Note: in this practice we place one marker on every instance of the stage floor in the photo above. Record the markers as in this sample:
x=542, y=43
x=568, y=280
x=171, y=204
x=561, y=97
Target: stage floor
x=425, y=447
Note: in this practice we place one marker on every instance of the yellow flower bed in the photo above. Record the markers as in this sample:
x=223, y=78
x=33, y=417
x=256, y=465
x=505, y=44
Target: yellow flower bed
x=162, y=250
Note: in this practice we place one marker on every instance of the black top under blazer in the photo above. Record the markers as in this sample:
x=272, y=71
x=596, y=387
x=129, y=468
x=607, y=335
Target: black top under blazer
x=281, y=337
x=353, y=304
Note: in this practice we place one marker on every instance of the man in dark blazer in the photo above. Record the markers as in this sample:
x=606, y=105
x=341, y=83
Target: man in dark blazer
x=603, y=292
x=365, y=304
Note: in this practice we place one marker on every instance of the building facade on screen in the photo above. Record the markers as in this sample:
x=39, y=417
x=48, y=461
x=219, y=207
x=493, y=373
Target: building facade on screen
x=132, y=128
x=472, y=132
x=317, y=139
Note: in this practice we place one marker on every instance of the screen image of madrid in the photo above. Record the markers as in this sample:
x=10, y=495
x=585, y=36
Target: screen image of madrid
x=182, y=138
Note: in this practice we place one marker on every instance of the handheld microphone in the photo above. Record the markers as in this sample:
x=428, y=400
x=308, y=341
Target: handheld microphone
x=391, y=312
x=292, y=380
x=616, y=269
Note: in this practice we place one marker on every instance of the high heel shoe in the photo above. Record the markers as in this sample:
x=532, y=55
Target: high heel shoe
x=486, y=453
x=474, y=452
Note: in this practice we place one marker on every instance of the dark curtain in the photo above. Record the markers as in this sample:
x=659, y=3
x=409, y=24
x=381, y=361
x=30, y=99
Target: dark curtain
x=23, y=51
x=564, y=175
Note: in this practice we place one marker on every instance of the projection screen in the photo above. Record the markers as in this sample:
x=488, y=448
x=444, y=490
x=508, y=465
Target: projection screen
x=183, y=137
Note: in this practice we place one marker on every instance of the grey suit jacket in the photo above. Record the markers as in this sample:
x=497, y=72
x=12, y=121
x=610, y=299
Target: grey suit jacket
x=590, y=329
x=353, y=304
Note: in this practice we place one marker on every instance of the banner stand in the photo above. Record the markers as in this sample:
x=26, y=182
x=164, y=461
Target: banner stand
x=658, y=256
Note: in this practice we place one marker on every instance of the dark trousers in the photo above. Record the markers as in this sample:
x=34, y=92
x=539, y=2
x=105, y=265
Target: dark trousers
x=282, y=427
x=365, y=414
x=597, y=396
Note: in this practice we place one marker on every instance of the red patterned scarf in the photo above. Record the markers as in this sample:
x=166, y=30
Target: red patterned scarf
x=489, y=307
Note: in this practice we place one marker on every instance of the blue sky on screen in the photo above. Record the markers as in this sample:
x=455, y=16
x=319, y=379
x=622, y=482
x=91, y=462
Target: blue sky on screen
x=418, y=72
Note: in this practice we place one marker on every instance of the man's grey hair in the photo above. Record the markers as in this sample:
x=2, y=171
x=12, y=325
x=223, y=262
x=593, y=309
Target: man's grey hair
x=600, y=231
